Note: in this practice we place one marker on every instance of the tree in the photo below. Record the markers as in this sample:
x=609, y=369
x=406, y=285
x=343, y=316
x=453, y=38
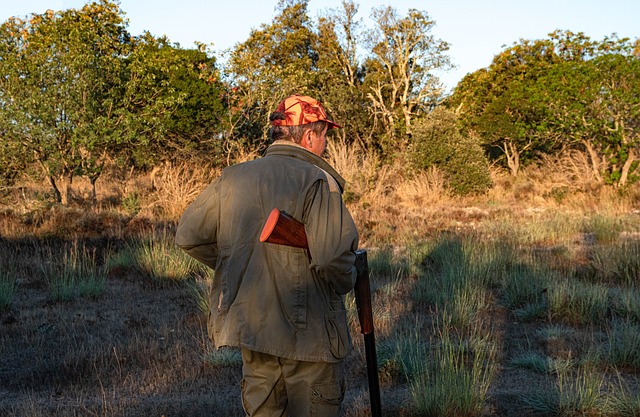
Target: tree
x=171, y=104
x=595, y=104
x=276, y=60
x=514, y=104
x=341, y=74
x=60, y=87
x=400, y=71
x=79, y=92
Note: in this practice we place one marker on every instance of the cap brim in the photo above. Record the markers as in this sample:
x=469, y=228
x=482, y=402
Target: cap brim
x=333, y=125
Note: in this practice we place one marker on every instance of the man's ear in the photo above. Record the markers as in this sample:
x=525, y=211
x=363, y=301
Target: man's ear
x=307, y=138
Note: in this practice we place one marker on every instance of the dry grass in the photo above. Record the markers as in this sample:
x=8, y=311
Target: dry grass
x=178, y=186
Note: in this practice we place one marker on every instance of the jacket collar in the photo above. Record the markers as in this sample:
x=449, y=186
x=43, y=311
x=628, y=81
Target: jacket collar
x=283, y=147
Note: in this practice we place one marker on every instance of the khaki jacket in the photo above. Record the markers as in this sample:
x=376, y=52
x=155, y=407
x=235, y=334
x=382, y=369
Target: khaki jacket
x=266, y=297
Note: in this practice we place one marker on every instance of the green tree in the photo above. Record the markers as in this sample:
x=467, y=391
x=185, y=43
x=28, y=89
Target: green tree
x=594, y=104
x=517, y=103
x=437, y=141
x=341, y=74
x=400, y=70
x=61, y=79
x=276, y=60
x=171, y=106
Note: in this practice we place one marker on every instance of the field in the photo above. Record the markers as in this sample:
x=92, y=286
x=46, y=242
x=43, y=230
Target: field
x=523, y=301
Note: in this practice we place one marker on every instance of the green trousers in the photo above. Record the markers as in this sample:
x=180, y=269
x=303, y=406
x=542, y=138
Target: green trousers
x=279, y=387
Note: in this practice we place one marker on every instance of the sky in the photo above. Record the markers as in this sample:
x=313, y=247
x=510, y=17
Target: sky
x=476, y=30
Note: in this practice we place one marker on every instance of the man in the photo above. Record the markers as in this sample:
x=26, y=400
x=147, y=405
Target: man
x=282, y=306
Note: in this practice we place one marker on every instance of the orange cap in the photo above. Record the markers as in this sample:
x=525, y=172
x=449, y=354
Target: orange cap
x=300, y=110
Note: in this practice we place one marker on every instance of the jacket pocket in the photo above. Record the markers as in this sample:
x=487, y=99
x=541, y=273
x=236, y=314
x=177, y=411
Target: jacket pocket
x=290, y=272
x=338, y=333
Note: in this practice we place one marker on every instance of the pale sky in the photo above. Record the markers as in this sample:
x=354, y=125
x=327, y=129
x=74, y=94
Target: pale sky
x=475, y=29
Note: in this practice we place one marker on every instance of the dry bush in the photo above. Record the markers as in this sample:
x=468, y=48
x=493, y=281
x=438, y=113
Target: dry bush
x=362, y=169
x=178, y=185
x=427, y=188
x=563, y=181
x=370, y=188
x=570, y=169
x=240, y=151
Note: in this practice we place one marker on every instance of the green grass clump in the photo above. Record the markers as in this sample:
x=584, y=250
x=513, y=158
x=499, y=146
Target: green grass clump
x=623, y=349
x=578, y=302
x=199, y=291
x=626, y=304
x=574, y=394
x=541, y=363
x=163, y=261
x=223, y=357
x=617, y=263
x=605, y=229
x=454, y=282
x=7, y=286
x=76, y=274
x=623, y=403
x=448, y=376
x=524, y=285
x=8, y=275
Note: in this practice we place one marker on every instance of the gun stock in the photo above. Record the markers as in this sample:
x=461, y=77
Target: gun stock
x=283, y=229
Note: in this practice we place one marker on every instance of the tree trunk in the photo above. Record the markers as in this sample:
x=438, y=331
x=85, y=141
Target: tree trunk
x=94, y=194
x=513, y=157
x=152, y=177
x=624, y=175
x=65, y=182
x=595, y=160
x=57, y=196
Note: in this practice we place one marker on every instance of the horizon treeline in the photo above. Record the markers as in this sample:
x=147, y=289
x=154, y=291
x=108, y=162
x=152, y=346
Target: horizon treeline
x=79, y=94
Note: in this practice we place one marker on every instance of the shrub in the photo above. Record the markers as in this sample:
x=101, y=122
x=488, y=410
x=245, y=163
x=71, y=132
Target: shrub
x=436, y=141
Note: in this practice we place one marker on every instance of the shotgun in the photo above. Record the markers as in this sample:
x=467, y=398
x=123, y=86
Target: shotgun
x=282, y=229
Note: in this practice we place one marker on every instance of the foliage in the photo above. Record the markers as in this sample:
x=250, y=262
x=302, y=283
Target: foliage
x=78, y=93
x=277, y=60
x=61, y=76
x=341, y=74
x=594, y=104
x=400, y=78
x=171, y=103
x=539, y=97
x=436, y=141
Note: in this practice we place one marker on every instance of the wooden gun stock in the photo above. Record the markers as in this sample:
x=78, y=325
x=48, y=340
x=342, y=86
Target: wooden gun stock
x=283, y=229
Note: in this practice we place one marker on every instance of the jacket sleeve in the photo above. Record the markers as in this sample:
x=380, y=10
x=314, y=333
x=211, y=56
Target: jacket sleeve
x=198, y=226
x=332, y=235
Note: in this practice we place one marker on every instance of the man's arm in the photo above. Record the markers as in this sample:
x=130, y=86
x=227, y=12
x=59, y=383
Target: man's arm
x=332, y=236
x=197, y=228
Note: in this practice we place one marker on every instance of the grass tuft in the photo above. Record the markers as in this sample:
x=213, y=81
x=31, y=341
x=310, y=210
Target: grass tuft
x=223, y=357
x=77, y=274
x=451, y=378
x=578, y=394
x=542, y=364
x=160, y=259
